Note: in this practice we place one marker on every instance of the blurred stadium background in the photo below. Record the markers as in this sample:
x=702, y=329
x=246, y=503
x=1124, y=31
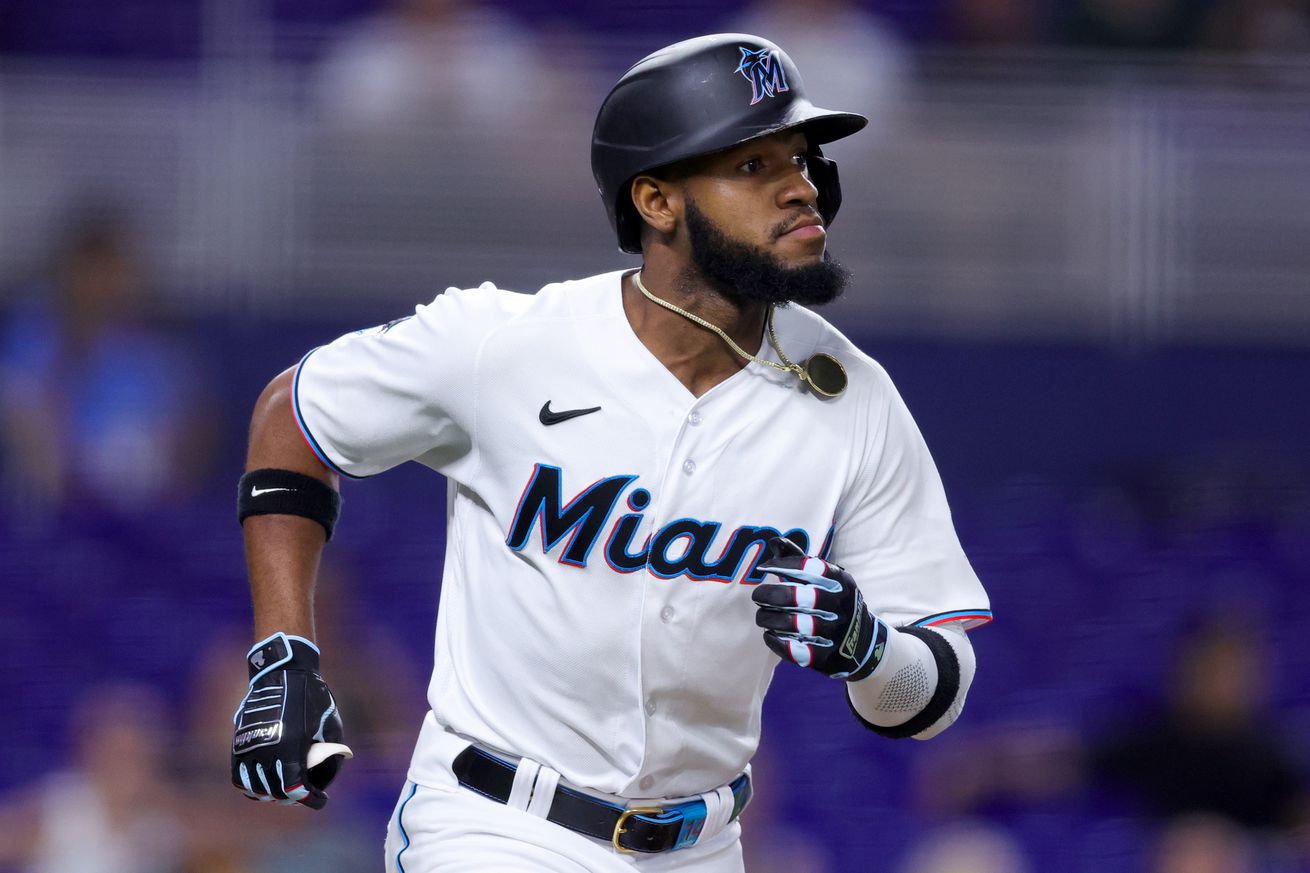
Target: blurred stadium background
x=1079, y=230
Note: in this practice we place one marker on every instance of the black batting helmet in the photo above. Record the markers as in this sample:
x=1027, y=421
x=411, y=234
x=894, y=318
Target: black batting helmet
x=700, y=96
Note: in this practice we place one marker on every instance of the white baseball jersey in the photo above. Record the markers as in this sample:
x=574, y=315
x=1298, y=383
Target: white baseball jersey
x=604, y=523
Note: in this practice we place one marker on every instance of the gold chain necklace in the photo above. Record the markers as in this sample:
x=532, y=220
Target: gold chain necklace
x=822, y=372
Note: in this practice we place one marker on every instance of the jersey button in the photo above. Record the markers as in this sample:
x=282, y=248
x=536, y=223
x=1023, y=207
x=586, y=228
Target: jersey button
x=650, y=706
x=694, y=419
x=689, y=466
x=666, y=614
x=647, y=782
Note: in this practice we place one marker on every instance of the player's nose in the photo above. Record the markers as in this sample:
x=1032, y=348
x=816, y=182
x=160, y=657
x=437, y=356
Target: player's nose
x=796, y=190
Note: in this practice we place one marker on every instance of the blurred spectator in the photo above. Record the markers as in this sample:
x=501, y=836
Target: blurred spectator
x=1138, y=24
x=1261, y=26
x=1208, y=774
x=115, y=809
x=1203, y=844
x=1214, y=749
x=431, y=63
x=995, y=22
x=215, y=862
x=376, y=681
x=432, y=119
x=98, y=400
x=966, y=847
x=770, y=842
x=848, y=55
x=1014, y=766
x=1278, y=26
x=230, y=833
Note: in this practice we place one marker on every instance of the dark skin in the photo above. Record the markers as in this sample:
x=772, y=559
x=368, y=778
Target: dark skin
x=756, y=193
x=282, y=551
x=753, y=192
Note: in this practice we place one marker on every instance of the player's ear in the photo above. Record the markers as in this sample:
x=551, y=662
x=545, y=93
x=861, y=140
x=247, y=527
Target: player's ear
x=657, y=202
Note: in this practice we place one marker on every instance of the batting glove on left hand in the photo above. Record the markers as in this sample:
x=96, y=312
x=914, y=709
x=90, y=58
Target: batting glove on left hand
x=815, y=616
x=288, y=741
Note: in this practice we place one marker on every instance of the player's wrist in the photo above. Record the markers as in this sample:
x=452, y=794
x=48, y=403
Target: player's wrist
x=872, y=637
x=282, y=651
x=898, y=651
x=912, y=686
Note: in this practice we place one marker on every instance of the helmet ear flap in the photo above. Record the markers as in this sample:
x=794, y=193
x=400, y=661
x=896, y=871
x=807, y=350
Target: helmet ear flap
x=823, y=173
x=628, y=223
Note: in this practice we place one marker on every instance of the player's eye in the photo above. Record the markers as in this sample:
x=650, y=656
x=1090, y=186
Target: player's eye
x=800, y=159
x=752, y=166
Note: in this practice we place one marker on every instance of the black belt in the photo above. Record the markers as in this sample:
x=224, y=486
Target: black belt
x=646, y=829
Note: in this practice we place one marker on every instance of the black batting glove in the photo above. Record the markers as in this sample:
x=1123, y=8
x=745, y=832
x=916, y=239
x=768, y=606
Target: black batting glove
x=815, y=616
x=288, y=741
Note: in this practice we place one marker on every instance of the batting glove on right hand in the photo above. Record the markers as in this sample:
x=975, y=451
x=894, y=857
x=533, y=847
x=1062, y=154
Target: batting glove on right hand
x=288, y=741
x=815, y=616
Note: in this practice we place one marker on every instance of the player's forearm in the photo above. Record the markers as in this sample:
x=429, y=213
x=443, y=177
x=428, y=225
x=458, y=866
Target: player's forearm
x=282, y=555
x=282, y=551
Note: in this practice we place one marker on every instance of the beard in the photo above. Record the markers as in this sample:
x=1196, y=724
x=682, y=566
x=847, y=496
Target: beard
x=744, y=274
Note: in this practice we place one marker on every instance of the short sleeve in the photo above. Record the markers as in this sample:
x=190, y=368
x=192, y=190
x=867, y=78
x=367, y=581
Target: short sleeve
x=894, y=532
x=402, y=391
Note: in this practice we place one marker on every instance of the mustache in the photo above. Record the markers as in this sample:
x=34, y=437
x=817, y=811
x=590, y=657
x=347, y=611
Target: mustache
x=787, y=225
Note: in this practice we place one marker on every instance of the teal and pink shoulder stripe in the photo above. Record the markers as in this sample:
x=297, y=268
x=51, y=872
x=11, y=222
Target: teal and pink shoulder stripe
x=304, y=428
x=971, y=618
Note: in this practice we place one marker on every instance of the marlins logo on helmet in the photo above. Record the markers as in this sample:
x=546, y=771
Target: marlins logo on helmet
x=762, y=70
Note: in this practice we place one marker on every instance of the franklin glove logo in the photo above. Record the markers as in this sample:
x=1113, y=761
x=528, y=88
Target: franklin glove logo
x=262, y=735
x=850, y=645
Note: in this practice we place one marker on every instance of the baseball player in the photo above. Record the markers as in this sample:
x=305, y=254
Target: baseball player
x=662, y=481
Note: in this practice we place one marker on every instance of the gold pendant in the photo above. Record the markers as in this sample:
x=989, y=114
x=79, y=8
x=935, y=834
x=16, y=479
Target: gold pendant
x=825, y=374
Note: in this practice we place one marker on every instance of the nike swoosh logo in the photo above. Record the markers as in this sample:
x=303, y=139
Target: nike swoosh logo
x=548, y=418
x=255, y=492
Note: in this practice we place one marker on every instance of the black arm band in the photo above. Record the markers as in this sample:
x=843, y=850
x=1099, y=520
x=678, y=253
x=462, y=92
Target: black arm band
x=284, y=492
x=948, y=688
